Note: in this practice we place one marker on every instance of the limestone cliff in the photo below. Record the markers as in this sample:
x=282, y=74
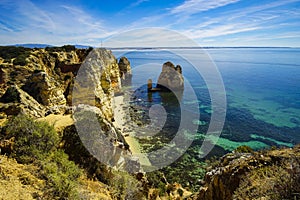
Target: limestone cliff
x=64, y=80
x=15, y=101
x=48, y=76
x=97, y=80
x=44, y=74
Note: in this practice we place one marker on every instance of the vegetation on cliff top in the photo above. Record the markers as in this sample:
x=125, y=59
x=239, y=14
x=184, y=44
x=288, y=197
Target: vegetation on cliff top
x=19, y=54
x=37, y=142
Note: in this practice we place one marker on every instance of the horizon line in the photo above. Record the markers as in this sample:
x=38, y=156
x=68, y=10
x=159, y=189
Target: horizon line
x=141, y=47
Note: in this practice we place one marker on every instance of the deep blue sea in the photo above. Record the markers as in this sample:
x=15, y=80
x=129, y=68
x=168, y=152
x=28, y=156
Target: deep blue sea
x=262, y=88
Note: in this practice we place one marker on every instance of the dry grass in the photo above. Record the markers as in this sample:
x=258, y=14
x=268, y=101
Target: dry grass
x=58, y=121
x=281, y=180
x=18, y=181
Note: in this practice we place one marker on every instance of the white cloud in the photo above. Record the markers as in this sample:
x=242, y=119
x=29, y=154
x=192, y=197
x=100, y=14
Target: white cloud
x=25, y=21
x=149, y=37
x=257, y=9
x=137, y=3
x=57, y=25
x=190, y=7
x=219, y=31
x=249, y=19
x=26, y=11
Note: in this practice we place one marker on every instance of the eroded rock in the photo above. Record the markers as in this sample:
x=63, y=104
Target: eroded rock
x=171, y=77
x=16, y=101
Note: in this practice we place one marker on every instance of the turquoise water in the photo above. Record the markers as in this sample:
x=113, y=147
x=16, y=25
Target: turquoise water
x=262, y=87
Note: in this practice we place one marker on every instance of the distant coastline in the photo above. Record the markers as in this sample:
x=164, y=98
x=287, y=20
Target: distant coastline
x=29, y=45
x=160, y=48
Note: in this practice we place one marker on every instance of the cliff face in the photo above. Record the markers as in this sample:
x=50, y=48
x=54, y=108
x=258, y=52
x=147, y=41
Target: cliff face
x=64, y=80
x=97, y=80
x=42, y=75
x=48, y=77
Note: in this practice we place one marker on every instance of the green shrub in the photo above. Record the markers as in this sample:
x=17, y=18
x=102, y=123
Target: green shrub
x=20, y=60
x=156, y=180
x=69, y=48
x=33, y=139
x=125, y=186
x=61, y=175
x=244, y=149
x=162, y=189
x=66, y=48
x=36, y=142
x=67, y=77
x=9, y=52
x=180, y=192
x=19, y=53
x=11, y=95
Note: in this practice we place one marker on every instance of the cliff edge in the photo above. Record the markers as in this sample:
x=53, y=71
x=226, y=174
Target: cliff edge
x=268, y=174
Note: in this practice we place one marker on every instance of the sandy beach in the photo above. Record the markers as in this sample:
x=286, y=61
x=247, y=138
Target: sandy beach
x=123, y=124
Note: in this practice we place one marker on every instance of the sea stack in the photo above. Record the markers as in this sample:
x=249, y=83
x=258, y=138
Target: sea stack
x=125, y=71
x=171, y=77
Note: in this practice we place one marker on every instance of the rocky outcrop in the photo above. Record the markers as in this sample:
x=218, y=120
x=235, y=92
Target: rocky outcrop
x=51, y=82
x=96, y=82
x=241, y=176
x=16, y=101
x=48, y=76
x=2, y=76
x=124, y=66
x=45, y=89
x=125, y=70
x=171, y=77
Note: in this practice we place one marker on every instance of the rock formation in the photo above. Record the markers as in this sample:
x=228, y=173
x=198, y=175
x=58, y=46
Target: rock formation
x=16, y=101
x=51, y=81
x=256, y=175
x=125, y=71
x=41, y=76
x=48, y=75
x=124, y=66
x=45, y=89
x=96, y=82
x=171, y=77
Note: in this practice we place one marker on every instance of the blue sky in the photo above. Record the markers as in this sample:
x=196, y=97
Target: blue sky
x=208, y=22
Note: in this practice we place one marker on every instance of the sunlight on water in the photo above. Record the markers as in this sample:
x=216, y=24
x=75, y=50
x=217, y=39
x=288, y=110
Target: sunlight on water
x=262, y=87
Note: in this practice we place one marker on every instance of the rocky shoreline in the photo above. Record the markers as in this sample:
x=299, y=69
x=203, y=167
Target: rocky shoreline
x=39, y=84
x=124, y=123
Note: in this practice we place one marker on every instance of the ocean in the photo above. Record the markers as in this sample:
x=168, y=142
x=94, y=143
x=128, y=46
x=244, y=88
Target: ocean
x=260, y=88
